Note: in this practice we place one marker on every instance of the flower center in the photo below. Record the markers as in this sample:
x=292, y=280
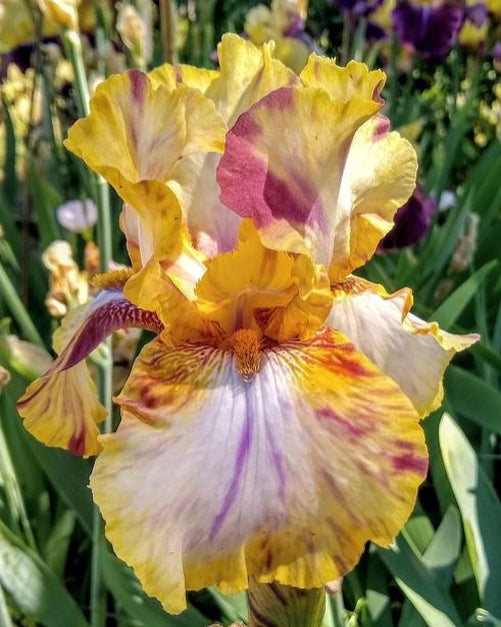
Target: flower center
x=246, y=345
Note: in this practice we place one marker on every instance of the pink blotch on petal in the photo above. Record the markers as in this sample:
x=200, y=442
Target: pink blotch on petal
x=382, y=128
x=76, y=445
x=248, y=185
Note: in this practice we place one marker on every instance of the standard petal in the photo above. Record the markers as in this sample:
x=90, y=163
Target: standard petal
x=61, y=408
x=370, y=195
x=412, y=352
x=341, y=83
x=283, y=165
x=174, y=75
x=140, y=132
x=213, y=227
x=247, y=74
x=212, y=479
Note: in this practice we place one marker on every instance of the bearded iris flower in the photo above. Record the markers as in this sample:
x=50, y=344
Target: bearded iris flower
x=272, y=427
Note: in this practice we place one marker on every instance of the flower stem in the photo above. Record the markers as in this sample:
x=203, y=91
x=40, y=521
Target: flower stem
x=285, y=606
x=104, y=239
x=167, y=28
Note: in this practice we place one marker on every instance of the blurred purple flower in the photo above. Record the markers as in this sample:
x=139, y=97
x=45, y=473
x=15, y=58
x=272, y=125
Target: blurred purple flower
x=412, y=222
x=496, y=51
x=431, y=31
x=358, y=7
x=477, y=14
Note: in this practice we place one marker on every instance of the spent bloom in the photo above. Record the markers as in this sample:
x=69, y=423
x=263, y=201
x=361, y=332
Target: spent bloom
x=272, y=427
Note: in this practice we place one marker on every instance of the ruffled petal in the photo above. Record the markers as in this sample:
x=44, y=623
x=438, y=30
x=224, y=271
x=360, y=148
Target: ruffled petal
x=174, y=75
x=140, y=132
x=134, y=136
x=342, y=83
x=247, y=73
x=212, y=479
x=370, y=195
x=255, y=287
x=283, y=165
x=61, y=408
x=412, y=352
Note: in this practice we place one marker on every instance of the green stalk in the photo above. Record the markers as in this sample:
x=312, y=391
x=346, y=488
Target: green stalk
x=348, y=23
x=167, y=30
x=101, y=190
x=17, y=309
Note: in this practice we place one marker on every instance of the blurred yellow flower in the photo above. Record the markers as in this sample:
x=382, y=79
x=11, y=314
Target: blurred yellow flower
x=68, y=287
x=281, y=23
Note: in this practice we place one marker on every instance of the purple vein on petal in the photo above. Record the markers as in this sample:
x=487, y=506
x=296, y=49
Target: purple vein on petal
x=240, y=462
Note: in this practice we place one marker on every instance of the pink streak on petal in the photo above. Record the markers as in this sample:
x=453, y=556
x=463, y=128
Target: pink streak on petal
x=138, y=83
x=408, y=461
x=328, y=414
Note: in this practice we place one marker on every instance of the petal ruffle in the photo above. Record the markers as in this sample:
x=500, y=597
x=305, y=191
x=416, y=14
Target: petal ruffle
x=174, y=75
x=61, y=408
x=412, y=352
x=140, y=131
x=212, y=479
x=286, y=296
x=283, y=165
x=134, y=136
x=247, y=73
x=342, y=83
x=371, y=193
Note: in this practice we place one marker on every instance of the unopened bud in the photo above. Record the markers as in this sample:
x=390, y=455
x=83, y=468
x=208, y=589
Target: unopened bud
x=62, y=12
x=131, y=28
x=466, y=244
x=4, y=378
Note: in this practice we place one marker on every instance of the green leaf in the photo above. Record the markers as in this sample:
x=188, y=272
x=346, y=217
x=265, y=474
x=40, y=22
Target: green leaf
x=420, y=585
x=9, y=179
x=45, y=200
x=443, y=551
x=450, y=310
x=480, y=509
x=34, y=588
x=473, y=398
x=234, y=607
x=123, y=585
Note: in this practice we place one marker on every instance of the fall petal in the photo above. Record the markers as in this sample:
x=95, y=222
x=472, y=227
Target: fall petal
x=212, y=479
x=61, y=408
x=412, y=352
